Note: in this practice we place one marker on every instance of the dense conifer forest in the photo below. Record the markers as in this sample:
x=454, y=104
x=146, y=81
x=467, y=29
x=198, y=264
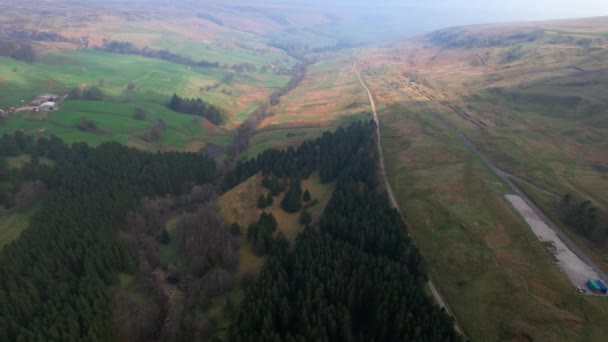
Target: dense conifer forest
x=53, y=278
x=358, y=276
x=353, y=276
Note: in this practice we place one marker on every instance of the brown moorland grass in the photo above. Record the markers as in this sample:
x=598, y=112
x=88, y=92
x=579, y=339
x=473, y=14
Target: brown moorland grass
x=329, y=91
x=496, y=276
x=499, y=280
x=536, y=108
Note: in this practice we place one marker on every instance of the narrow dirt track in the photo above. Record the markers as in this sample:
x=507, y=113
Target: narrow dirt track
x=391, y=194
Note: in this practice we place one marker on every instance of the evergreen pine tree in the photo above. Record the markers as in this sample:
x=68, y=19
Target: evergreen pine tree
x=275, y=186
x=306, y=197
x=175, y=102
x=262, y=203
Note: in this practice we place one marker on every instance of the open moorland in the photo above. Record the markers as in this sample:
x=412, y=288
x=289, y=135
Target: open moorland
x=529, y=96
x=330, y=95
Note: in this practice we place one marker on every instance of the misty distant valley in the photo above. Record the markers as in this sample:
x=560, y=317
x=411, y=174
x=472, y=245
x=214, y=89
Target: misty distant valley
x=303, y=171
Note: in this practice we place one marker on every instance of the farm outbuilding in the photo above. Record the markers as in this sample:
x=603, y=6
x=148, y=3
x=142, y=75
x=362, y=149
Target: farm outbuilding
x=41, y=99
x=49, y=105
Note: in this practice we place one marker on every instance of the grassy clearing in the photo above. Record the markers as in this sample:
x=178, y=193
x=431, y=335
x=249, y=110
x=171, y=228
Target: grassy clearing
x=221, y=310
x=496, y=276
x=279, y=138
x=19, y=161
x=126, y=283
x=24, y=159
x=240, y=205
x=169, y=253
x=12, y=224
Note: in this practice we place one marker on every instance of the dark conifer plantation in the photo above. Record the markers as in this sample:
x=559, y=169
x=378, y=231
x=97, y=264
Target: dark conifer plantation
x=54, y=277
x=359, y=278
x=355, y=277
x=197, y=107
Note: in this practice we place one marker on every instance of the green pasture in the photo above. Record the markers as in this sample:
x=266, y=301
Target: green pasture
x=114, y=123
x=224, y=53
x=154, y=80
x=280, y=138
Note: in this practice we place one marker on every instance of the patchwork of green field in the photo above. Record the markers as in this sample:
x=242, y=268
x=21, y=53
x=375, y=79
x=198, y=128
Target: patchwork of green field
x=499, y=280
x=18, y=82
x=115, y=122
x=58, y=72
x=248, y=50
x=112, y=73
x=153, y=82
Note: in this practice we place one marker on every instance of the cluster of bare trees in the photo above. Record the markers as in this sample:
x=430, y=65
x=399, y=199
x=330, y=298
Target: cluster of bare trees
x=176, y=291
x=156, y=131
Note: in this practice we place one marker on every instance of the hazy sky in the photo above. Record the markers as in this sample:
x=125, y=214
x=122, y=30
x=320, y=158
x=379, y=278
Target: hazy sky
x=534, y=9
x=493, y=10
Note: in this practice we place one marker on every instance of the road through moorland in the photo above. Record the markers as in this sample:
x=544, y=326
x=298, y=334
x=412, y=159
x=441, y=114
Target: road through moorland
x=391, y=194
x=506, y=178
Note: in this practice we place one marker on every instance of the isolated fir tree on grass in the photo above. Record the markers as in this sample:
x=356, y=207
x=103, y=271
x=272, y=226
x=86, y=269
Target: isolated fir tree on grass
x=306, y=197
x=275, y=186
x=265, y=201
x=262, y=202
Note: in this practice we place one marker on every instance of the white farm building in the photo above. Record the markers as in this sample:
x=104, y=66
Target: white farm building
x=49, y=105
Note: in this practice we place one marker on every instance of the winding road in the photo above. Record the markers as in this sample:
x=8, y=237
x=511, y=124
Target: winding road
x=442, y=303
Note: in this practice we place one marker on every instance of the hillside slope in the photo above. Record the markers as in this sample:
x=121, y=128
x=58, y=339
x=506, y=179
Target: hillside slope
x=530, y=97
